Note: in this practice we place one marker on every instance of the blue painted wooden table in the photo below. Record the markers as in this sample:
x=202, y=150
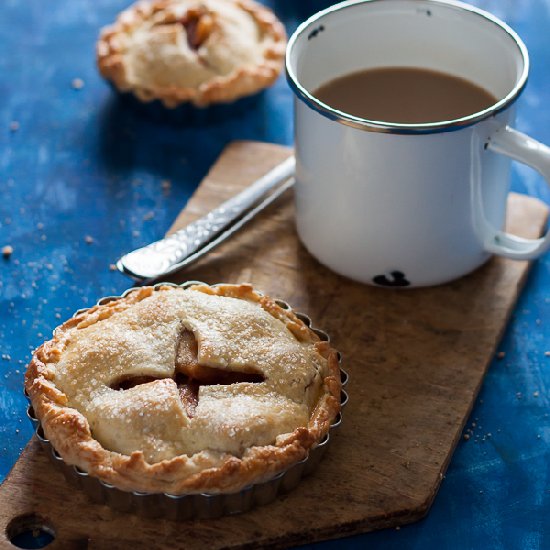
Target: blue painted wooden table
x=83, y=180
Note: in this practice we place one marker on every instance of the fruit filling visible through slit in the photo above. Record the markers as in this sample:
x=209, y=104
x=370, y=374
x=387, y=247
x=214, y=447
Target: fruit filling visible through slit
x=190, y=375
x=198, y=23
x=189, y=395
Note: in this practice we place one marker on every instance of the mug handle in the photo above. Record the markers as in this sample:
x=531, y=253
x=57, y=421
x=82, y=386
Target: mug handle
x=525, y=149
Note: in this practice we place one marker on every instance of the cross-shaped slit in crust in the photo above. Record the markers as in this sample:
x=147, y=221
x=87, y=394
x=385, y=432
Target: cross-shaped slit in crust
x=190, y=374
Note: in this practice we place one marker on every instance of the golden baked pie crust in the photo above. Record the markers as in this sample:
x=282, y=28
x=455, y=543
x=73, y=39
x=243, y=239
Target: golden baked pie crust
x=70, y=433
x=113, y=46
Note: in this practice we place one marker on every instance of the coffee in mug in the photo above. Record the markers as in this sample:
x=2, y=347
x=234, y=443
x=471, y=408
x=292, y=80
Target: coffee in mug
x=404, y=94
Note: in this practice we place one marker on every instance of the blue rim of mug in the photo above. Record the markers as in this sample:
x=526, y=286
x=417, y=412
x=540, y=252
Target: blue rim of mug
x=397, y=127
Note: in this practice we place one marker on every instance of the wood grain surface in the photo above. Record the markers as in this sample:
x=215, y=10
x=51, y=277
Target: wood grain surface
x=416, y=359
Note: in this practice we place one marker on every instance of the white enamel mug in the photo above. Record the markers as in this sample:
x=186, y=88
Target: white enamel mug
x=408, y=204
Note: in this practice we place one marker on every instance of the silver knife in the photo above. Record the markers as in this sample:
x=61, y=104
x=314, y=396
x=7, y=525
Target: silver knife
x=199, y=237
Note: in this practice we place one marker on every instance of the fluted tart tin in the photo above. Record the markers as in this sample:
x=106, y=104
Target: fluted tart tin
x=200, y=505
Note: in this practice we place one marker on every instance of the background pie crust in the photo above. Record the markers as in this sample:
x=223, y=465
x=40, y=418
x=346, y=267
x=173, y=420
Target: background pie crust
x=192, y=51
x=205, y=471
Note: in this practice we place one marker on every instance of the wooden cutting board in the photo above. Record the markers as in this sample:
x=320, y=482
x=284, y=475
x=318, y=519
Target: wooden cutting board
x=416, y=360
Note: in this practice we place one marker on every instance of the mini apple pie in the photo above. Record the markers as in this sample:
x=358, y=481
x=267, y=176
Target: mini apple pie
x=196, y=51
x=185, y=390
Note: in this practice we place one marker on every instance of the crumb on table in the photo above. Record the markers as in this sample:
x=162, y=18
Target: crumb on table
x=77, y=84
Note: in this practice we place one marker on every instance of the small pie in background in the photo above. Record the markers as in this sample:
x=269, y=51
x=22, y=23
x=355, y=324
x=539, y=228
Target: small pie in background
x=185, y=390
x=200, y=52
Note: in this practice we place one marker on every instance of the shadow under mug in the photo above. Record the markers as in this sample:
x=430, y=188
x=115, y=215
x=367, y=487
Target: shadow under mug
x=408, y=204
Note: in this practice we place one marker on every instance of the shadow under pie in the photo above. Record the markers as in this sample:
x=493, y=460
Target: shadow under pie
x=188, y=115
